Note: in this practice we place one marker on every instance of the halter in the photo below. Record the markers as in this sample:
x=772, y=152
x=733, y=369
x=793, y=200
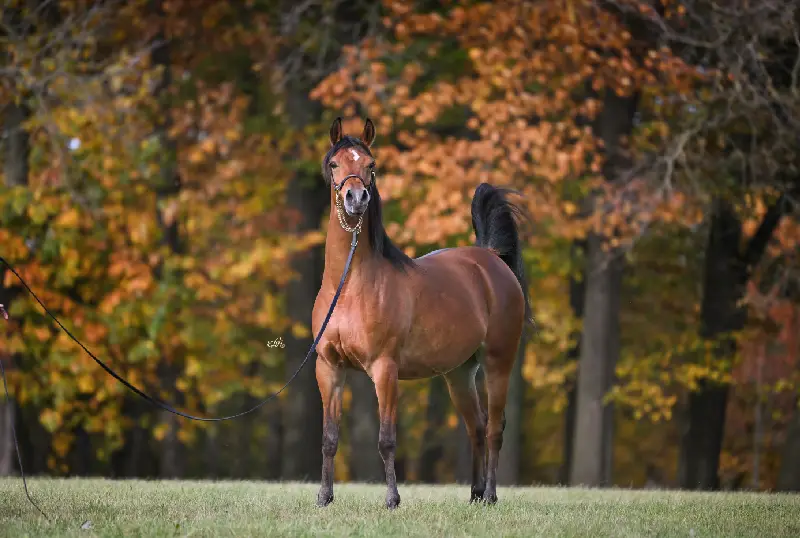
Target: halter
x=340, y=203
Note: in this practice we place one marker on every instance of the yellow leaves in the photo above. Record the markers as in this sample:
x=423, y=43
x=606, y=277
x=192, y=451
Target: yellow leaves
x=160, y=431
x=140, y=227
x=85, y=383
x=193, y=367
x=68, y=219
x=300, y=330
x=569, y=208
x=61, y=443
x=51, y=420
x=269, y=312
x=13, y=343
x=182, y=385
x=37, y=213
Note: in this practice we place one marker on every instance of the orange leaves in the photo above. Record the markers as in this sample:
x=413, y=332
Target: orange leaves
x=97, y=231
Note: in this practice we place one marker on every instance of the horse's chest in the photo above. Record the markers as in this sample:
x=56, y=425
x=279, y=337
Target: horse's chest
x=366, y=331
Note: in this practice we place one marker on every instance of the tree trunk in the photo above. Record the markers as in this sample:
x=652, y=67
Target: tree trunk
x=167, y=186
x=135, y=458
x=366, y=464
x=569, y=425
x=593, y=434
x=509, y=464
x=273, y=446
x=432, y=438
x=17, y=150
x=302, y=412
x=598, y=356
x=789, y=474
x=17, y=146
x=727, y=270
x=724, y=281
x=7, y=456
x=210, y=439
x=577, y=290
x=171, y=464
x=81, y=456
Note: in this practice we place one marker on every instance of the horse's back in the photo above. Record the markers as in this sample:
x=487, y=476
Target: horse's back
x=479, y=286
x=469, y=258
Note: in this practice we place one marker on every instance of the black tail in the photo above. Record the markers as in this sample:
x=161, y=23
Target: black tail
x=494, y=219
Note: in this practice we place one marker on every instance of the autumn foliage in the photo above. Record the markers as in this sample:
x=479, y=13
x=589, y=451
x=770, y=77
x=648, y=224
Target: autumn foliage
x=153, y=216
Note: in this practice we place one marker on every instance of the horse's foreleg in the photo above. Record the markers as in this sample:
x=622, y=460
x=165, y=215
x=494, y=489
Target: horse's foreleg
x=384, y=375
x=464, y=393
x=331, y=387
x=498, y=371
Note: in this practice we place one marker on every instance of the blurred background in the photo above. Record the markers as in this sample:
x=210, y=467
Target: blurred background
x=161, y=192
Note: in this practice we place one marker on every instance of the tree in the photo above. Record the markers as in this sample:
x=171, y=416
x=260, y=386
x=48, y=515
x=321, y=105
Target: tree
x=17, y=150
x=736, y=137
x=592, y=458
x=512, y=100
x=94, y=161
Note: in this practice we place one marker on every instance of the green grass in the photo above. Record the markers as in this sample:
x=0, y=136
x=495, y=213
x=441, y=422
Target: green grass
x=186, y=508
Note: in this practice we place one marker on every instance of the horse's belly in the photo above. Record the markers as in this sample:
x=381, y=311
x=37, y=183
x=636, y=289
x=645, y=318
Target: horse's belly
x=438, y=346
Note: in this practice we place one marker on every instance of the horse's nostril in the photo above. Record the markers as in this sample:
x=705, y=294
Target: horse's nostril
x=349, y=195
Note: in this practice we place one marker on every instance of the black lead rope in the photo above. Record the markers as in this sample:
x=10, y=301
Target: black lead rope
x=158, y=403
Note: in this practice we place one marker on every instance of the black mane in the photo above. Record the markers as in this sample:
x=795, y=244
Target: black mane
x=379, y=240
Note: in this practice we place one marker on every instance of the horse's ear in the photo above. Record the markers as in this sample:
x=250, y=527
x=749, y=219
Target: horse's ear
x=336, y=131
x=368, y=136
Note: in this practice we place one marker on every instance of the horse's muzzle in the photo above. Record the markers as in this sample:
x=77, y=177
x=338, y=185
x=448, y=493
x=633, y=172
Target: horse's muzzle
x=356, y=202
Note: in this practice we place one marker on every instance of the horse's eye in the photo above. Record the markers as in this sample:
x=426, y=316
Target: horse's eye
x=334, y=165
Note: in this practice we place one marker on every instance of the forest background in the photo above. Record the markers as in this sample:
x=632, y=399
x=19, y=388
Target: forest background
x=161, y=192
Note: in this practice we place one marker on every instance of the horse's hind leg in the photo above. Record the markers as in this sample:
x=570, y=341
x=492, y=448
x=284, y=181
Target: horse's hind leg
x=461, y=384
x=497, y=368
x=331, y=387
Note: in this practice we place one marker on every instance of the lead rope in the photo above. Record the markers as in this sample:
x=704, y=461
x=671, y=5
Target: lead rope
x=158, y=403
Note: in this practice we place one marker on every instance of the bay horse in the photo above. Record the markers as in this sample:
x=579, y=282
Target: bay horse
x=401, y=318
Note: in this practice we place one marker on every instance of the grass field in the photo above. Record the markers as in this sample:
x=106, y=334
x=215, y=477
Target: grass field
x=184, y=508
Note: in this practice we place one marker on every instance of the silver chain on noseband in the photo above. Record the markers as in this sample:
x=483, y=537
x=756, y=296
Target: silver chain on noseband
x=342, y=221
x=340, y=205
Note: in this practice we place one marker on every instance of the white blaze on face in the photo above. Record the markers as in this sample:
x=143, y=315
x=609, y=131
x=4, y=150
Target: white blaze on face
x=355, y=155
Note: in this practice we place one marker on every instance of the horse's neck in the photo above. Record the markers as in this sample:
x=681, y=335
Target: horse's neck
x=337, y=248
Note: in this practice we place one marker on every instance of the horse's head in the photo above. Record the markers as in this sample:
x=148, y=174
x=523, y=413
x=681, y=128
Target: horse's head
x=350, y=167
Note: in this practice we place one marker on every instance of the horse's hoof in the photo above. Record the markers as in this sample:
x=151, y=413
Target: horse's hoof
x=489, y=497
x=392, y=501
x=324, y=498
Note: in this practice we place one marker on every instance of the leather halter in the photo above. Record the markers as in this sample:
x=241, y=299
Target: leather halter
x=355, y=230
x=349, y=176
